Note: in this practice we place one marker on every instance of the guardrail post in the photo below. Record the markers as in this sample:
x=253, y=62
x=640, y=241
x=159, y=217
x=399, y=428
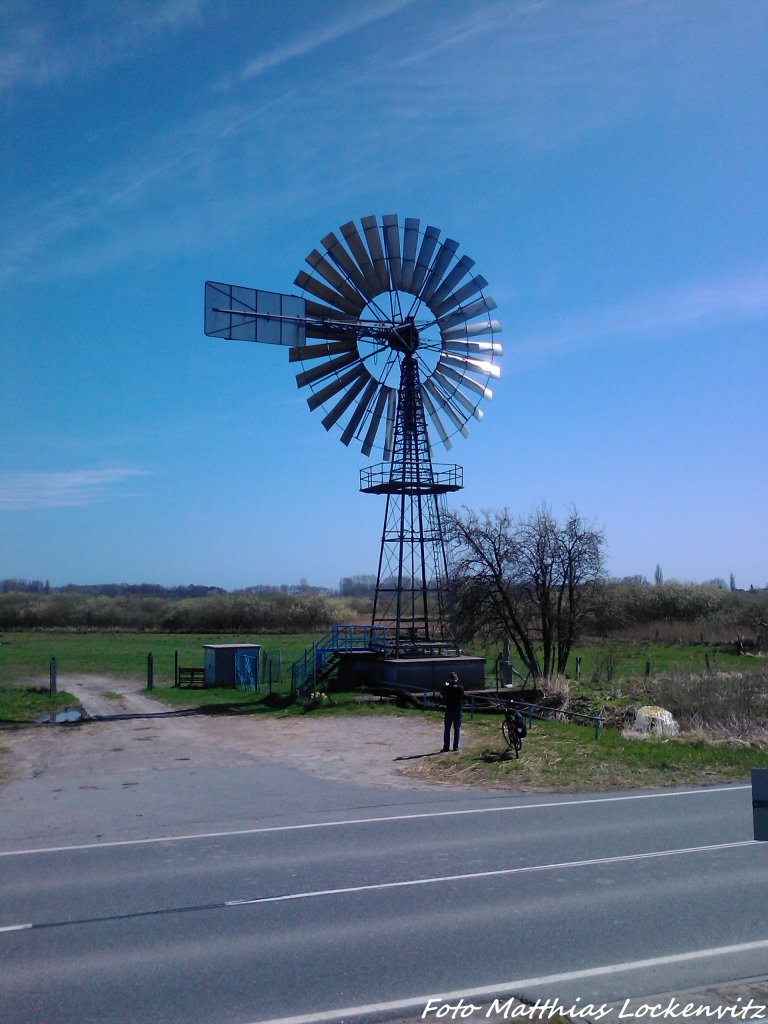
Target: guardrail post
x=176, y=669
x=760, y=803
x=597, y=727
x=52, y=676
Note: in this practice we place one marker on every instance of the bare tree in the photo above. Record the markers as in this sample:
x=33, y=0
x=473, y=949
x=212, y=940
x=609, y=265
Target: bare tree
x=531, y=580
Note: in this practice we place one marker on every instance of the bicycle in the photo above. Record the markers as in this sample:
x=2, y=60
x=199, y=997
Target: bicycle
x=513, y=728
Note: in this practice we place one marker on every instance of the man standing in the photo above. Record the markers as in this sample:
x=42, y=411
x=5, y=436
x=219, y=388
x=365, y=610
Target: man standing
x=452, y=693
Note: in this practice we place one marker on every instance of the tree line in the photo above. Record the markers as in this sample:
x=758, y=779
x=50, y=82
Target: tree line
x=22, y=586
x=220, y=612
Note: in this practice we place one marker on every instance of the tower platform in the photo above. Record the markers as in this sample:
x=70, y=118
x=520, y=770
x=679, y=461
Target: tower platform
x=365, y=668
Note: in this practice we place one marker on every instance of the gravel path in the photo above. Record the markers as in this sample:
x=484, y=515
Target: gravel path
x=131, y=732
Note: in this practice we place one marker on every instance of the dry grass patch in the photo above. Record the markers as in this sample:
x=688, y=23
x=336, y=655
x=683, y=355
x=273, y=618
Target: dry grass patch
x=567, y=758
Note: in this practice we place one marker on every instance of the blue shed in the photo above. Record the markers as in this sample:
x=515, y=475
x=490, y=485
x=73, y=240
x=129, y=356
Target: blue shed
x=220, y=662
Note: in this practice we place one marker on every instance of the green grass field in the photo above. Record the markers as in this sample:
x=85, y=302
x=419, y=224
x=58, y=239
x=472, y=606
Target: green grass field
x=27, y=655
x=615, y=660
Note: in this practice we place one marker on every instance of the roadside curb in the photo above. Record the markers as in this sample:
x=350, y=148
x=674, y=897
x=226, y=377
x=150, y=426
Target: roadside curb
x=734, y=1000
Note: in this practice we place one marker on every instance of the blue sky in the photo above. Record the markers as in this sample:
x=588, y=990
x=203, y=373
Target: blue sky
x=603, y=162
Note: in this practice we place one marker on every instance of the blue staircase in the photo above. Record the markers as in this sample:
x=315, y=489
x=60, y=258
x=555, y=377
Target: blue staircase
x=312, y=671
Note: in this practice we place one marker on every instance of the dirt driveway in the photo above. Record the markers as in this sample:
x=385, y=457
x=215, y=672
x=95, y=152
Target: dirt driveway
x=128, y=731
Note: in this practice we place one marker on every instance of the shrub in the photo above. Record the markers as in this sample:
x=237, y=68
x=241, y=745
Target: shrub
x=718, y=702
x=222, y=612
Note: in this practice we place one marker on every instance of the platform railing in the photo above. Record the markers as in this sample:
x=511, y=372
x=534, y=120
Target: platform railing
x=313, y=663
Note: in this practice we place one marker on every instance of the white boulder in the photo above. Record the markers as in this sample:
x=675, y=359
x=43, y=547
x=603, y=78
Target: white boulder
x=656, y=720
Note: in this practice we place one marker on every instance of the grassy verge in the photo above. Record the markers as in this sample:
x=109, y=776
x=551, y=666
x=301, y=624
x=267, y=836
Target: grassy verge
x=21, y=704
x=567, y=758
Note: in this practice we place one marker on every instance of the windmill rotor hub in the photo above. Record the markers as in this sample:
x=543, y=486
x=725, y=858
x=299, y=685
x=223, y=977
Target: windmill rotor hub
x=405, y=337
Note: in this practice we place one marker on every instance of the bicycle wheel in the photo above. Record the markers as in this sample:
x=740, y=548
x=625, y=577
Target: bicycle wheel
x=509, y=734
x=509, y=731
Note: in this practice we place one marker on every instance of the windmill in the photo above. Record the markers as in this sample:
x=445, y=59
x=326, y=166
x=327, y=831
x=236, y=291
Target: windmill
x=394, y=340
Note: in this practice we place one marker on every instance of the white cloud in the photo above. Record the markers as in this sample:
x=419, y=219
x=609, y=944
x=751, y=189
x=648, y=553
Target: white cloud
x=44, y=45
x=62, y=489
x=698, y=306
x=358, y=18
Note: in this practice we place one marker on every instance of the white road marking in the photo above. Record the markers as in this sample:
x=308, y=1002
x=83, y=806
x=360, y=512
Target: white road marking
x=15, y=927
x=507, y=988
x=402, y=884
x=431, y=880
x=371, y=821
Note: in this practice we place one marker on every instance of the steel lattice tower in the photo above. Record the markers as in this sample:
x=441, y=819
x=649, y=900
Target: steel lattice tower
x=411, y=598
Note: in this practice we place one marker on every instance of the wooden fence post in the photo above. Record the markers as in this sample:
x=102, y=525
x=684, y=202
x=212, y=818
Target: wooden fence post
x=150, y=672
x=52, y=676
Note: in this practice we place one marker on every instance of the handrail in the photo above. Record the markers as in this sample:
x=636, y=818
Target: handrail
x=339, y=638
x=543, y=711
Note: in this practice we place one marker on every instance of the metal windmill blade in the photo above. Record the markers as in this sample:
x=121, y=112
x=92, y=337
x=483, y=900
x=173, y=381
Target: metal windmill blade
x=380, y=290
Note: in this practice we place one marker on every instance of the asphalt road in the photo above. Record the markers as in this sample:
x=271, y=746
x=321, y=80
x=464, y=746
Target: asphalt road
x=267, y=894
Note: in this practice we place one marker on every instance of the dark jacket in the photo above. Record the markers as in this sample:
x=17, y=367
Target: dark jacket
x=452, y=694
